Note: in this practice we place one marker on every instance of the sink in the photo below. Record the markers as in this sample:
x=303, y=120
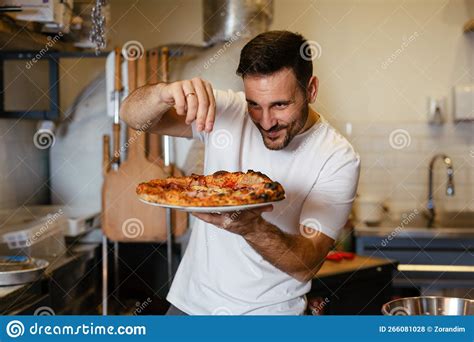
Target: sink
x=451, y=224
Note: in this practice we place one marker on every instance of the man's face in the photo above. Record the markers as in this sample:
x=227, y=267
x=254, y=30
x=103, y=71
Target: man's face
x=277, y=105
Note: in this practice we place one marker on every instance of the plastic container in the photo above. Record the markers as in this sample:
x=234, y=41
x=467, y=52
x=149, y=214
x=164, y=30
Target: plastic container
x=26, y=232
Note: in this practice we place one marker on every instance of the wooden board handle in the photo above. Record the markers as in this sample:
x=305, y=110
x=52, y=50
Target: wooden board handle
x=118, y=70
x=116, y=134
x=153, y=63
x=105, y=154
x=154, y=140
x=136, y=78
x=165, y=53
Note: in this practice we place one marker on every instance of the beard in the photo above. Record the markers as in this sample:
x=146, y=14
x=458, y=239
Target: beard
x=289, y=130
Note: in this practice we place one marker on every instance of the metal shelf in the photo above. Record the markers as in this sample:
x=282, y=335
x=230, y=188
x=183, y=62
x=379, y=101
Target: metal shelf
x=53, y=58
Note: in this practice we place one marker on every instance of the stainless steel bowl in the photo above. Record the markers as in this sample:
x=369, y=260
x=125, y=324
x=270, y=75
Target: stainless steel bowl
x=22, y=276
x=429, y=306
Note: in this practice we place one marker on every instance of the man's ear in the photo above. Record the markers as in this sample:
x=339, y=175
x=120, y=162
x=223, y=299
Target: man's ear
x=312, y=89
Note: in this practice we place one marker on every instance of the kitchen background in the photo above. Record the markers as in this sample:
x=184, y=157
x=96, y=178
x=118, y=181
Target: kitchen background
x=388, y=71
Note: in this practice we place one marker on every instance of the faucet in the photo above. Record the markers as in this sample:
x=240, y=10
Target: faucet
x=449, y=186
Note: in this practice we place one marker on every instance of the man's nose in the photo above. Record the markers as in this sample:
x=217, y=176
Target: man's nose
x=268, y=121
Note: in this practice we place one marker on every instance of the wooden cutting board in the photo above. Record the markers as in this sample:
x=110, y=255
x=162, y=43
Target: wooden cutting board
x=124, y=217
x=179, y=219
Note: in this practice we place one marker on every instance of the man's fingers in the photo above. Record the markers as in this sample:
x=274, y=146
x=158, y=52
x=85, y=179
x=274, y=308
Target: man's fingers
x=179, y=100
x=211, y=112
x=191, y=99
x=210, y=218
x=262, y=209
x=203, y=103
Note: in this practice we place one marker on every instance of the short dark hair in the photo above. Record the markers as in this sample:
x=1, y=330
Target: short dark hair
x=272, y=51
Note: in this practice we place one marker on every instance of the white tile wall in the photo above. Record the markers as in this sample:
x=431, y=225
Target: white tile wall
x=400, y=175
x=23, y=167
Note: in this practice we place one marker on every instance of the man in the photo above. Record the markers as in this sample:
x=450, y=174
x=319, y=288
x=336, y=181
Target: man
x=257, y=261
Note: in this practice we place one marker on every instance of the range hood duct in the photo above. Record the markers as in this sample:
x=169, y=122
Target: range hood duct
x=223, y=20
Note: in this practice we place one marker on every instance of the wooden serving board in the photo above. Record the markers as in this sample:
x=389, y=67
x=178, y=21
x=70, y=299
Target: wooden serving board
x=125, y=218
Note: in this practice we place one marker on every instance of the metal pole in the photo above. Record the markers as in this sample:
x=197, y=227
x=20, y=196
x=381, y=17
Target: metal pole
x=169, y=233
x=105, y=276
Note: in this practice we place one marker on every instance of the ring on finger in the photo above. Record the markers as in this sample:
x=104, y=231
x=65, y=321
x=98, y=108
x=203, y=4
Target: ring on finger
x=190, y=94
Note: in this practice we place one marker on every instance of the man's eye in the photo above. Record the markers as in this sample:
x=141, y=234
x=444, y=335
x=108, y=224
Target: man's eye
x=281, y=105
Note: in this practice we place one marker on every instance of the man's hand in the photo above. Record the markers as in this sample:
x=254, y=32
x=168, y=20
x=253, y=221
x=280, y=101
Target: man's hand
x=239, y=222
x=297, y=255
x=191, y=98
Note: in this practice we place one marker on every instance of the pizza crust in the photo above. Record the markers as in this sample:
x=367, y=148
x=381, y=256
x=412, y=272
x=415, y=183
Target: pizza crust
x=219, y=189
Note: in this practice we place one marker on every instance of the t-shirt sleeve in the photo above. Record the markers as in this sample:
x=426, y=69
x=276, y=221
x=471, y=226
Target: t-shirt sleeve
x=328, y=204
x=226, y=103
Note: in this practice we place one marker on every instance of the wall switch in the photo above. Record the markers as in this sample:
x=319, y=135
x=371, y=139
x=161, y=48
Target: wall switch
x=464, y=102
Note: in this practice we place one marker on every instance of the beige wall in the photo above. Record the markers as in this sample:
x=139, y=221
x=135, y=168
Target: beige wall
x=380, y=60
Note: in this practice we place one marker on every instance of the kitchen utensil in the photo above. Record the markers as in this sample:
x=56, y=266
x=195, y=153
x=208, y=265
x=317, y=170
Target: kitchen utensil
x=221, y=209
x=117, y=92
x=154, y=140
x=26, y=272
x=429, y=305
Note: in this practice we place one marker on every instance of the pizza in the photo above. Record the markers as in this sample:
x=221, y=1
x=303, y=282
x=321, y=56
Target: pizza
x=219, y=189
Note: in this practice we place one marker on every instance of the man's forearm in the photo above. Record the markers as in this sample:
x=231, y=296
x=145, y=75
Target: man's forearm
x=144, y=106
x=293, y=254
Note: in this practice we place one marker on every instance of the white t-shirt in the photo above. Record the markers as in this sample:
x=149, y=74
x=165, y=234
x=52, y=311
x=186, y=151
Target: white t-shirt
x=220, y=272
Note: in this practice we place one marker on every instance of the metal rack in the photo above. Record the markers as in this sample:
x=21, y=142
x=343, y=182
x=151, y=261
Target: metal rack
x=53, y=59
